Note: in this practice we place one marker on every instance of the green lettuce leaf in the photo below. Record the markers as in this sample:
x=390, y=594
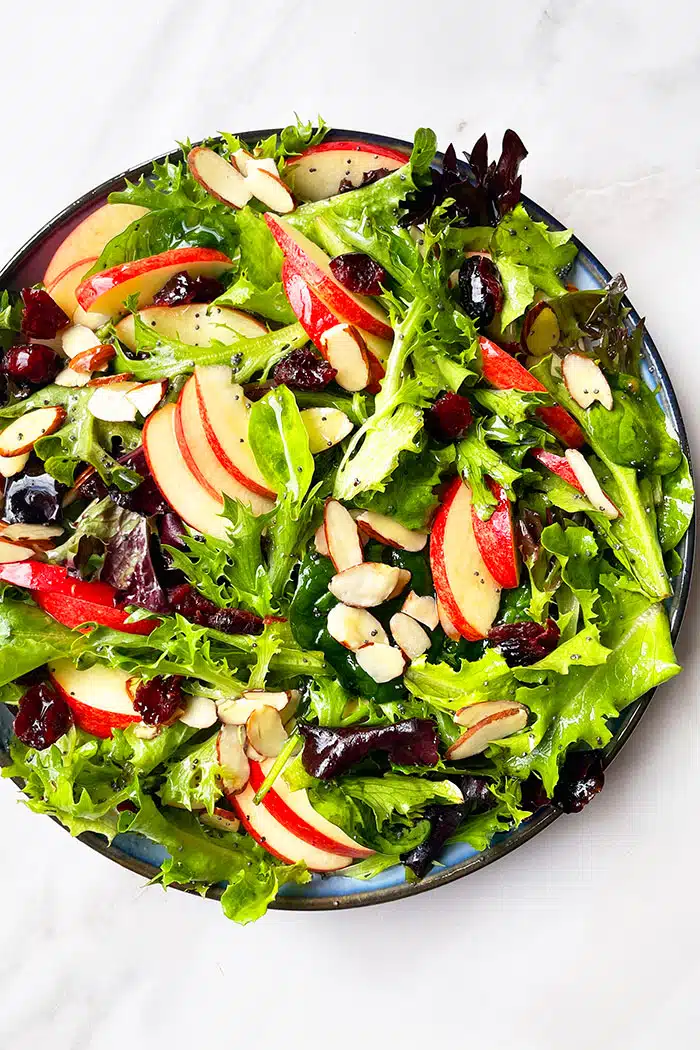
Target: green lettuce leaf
x=409, y=495
x=280, y=443
x=194, y=781
x=675, y=513
x=29, y=638
x=441, y=686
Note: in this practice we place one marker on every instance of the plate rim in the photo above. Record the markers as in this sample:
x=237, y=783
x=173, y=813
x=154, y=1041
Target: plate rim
x=543, y=817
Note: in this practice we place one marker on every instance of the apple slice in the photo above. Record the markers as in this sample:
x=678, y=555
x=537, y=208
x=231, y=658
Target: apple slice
x=463, y=584
x=342, y=537
x=391, y=532
x=422, y=607
x=558, y=465
x=590, y=484
x=219, y=177
x=541, y=331
x=92, y=321
x=326, y=427
x=266, y=732
x=63, y=290
x=99, y=697
x=107, y=291
x=86, y=241
x=201, y=460
x=585, y=381
x=495, y=539
x=197, y=324
x=294, y=811
x=345, y=349
x=225, y=412
x=22, y=434
x=222, y=819
x=318, y=172
x=381, y=662
x=409, y=635
x=13, y=552
x=446, y=623
x=233, y=760
x=366, y=585
x=505, y=373
x=273, y=836
x=176, y=482
x=11, y=465
x=354, y=627
x=200, y=712
x=314, y=266
x=486, y=722
x=74, y=612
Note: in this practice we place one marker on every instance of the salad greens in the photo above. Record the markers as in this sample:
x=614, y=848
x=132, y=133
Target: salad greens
x=232, y=692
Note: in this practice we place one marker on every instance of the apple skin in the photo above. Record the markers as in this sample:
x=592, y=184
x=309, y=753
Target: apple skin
x=558, y=465
x=64, y=287
x=90, y=236
x=495, y=539
x=505, y=373
x=96, y=720
x=72, y=612
x=317, y=172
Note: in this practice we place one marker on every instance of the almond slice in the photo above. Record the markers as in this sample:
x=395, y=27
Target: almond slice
x=220, y=820
x=345, y=349
x=10, y=552
x=365, y=585
x=145, y=398
x=422, y=607
x=237, y=712
x=342, y=537
x=502, y=719
x=19, y=437
x=77, y=339
x=585, y=381
x=246, y=162
x=446, y=623
x=69, y=377
x=111, y=404
x=354, y=627
x=391, y=532
x=20, y=531
x=89, y=320
x=401, y=584
x=95, y=359
x=409, y=635
x=319, y=539
x=381, y=662
x=11, y=465
x=200, y=712
x=325, y=427
x=590, y=484
x=266, y=732
x=110, y=380
x=218, y=177
x=233, y=759
x=269, y=189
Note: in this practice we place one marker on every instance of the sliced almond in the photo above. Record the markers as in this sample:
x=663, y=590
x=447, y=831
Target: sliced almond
x=381, y=662
x=446, y=623
x=345, y=349
x=111, y=404
x=218, y=177
x=110, y=380
x=143, y=732
x=69, y=377
x=252, y=754
x=266, y=732
x=319, y=540
x=342, y=537
x=590, y=484
x=354, y=627
x=422, y=607
x=269, y=189
x=78, y=338
x=585, y=381
x=20, y=436
x=409, y=635
x=502, y=719
x=233, y=759
x=237, y=712
x=200, y=712
x=366, y=585
x=391, y=532
x=402, y=583
x=39, y=533
x=11, y=465
x=246, y=162
x=541, y=331
x=145, y=398
x=325, y=427
x=221, y=820
x=95, y=359
x=90, y=320
x=10, y=552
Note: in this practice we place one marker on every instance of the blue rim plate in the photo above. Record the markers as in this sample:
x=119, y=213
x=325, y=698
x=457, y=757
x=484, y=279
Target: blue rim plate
x=142, y=856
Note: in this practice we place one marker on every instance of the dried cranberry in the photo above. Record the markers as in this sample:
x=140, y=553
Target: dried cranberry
x=189, y=603
x=43, y=717
x=34, y=363
x=533, y=794
x=303, y=370
x=358, y=273
x=524, y=642
x=582, y=776
x=33, y=499
x=480, y=289
x=330, y=752
x=449, y=418
x=160, y=700
x=42, y=317
x=182, y=289
x=444, y=821
x=528, y=532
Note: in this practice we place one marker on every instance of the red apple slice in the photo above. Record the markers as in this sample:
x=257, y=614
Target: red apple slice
x=107, y=291
x=266, y=732
x=505, y=373
x=225, y=412
x=63, y=290
x=366, y=585
x=463, y=584
x=74, y=612
x=409, y=635
x=314, y=266
x=13, y=552
x=342, y=537
x=326, y=427
x=318, y=172
x=354, y=627
x=590, y=484
x=446, y=624
x=233, y=760
x=11, y=465
x=85, y=242
x=381, y=662
x=99, y=697
x=22, y=434
x=197, y=324
x=222, y=819
x=218, y=176
x=176, y=482
x=201, y=459
x=585, y=381
x=344, y=348
x=294, y=811
x=558, y=465
x=391, y=532
x=422, y=607
x=495, y=539
x=502, y=719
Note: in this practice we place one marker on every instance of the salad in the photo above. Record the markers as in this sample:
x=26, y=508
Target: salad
x=337, y=524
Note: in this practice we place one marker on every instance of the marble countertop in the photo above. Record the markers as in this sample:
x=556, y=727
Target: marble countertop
x=585, y=937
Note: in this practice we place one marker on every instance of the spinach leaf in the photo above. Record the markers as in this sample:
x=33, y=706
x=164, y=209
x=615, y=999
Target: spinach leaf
x=675, y=513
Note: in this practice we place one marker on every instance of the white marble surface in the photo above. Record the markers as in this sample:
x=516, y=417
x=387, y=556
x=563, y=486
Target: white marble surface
x=587, y=937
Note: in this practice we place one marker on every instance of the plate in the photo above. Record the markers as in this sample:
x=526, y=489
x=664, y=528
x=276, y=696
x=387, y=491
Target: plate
x=142, y=856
